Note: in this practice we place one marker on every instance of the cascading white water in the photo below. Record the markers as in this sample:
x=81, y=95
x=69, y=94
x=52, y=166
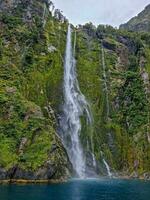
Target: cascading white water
x=94, y=160
x=75, y=106
x=107, y=105
x=107, y=168
x=105, y=84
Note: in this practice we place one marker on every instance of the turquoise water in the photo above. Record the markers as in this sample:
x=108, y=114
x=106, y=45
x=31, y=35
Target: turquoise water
x=79, y=190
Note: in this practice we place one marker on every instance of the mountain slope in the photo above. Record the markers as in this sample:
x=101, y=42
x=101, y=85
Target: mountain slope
x=30, y=54
x=139, y=23
x=120, y=132
x=113, y=70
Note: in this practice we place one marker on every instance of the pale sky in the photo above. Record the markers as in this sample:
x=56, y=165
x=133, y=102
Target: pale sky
x=113, y=12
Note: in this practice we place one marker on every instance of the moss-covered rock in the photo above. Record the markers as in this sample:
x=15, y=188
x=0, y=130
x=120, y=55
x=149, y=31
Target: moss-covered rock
x=113, y=68
x=31, y=77
x=118, y=137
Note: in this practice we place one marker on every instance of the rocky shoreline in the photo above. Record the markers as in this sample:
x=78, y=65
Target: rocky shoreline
x=22, y=181
x=63, y=180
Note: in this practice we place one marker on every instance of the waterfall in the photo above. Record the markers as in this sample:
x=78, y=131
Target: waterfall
x=75, y=106
x=92, y=153
x=94, y=160
x=105, y=84
x=43, y=18
x=107, y=168
x=107, y=106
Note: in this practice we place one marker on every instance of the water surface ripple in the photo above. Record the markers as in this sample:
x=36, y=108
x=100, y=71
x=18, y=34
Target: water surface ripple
x=91, y=189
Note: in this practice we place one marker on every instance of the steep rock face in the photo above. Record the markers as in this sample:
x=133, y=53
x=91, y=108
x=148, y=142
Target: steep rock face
x=120, y=130
x=32, y=47
x=139, y=23
x=29, y=145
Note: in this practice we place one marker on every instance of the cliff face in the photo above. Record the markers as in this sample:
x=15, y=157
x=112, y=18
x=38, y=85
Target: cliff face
x=30, y=55
x=113, y=68
x=112, y=65
x=139, y=23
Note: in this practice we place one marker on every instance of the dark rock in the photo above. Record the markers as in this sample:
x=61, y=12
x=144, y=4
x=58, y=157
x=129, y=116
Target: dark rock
x=46, y=172
x=3, y=174
x=19, y=173
x=8, y=4
x=53, y=148
x=129, y=43
x=108, y=45
x=123, y=57
x=58, y=15
x=91, y=168
x=146, y=176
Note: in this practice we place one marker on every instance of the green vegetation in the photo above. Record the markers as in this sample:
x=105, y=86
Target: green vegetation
x=31, y=85
x=123, y=136
x=31, y=68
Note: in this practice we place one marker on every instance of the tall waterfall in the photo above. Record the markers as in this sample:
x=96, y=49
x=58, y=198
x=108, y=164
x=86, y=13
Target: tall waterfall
x=105, y=83
x=75, y=106
x=107, y=105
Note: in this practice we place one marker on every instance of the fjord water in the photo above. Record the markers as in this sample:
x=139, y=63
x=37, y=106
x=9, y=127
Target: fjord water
x=105, y=189
x=75, y=105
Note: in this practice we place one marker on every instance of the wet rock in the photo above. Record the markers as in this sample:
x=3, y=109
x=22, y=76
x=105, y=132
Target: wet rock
x=3, y=174
x=108, y=45
x=146, y=176
x=11, y=90
x=35, y=112
x=129, y=43
x=28, y=15
x=53, y=148
x=142, y=62
x=8, y=4
x=91, y=164
x=9, y=113
x=123, y=57
x=146, y=80
x=145, y=77
x=45, y=173
x=22, y=145
x=19, y=173
x=136, y=164
x=134, y=175
x=51, y=49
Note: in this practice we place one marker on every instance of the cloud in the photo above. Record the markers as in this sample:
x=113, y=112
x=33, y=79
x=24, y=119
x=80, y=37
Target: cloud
x=114, y=12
